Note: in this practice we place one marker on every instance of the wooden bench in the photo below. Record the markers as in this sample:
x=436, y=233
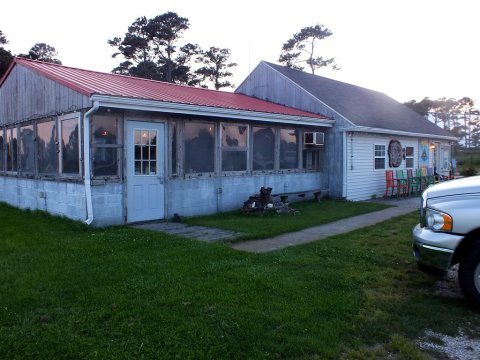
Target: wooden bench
x=317, y=193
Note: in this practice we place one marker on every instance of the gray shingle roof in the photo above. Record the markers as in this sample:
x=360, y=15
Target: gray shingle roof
x=361, y=106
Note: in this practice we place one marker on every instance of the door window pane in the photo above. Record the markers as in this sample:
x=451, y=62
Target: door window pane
x=263, y=148
x=27, y=161
x=145, y=152
x=199, y=147
x=47, y=147
x=70, y=146
x=288, y=149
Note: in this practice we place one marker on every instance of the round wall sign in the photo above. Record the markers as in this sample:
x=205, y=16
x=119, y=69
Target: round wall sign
x=395, y=153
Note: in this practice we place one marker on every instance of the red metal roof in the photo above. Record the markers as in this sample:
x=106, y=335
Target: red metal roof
x=91, y=83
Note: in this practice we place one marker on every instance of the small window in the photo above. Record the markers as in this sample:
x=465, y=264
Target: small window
x=106, y=145
x=288, y=149
x=70, y=145
x=47, y=148
x=263, y=148
x=27, y=157
x=12, y=148
x=409, y=156
x=234, y=147
x=379, y=156
x=199, y=147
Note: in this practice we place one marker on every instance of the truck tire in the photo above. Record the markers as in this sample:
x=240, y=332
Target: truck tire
x=469, y=276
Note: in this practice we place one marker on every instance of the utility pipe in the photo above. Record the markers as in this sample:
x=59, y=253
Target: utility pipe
x=86, y=161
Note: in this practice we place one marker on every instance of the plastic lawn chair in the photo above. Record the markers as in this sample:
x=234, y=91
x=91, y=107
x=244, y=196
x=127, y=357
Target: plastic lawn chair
x=402, y=183
x=390, y=182
x=414, y=183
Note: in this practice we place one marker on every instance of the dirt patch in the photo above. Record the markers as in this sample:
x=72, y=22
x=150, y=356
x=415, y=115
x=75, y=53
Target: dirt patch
x=449, y=287
x=459, y=347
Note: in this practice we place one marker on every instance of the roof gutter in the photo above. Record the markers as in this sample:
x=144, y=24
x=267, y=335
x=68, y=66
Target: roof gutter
x=86, y=161
x=397, y=132
x=210, y=111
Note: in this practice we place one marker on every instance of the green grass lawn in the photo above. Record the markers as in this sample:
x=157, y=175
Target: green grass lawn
x=72, y=292
x=259, y=226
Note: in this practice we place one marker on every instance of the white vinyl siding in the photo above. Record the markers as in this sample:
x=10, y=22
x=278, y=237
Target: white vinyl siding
x=363, y=180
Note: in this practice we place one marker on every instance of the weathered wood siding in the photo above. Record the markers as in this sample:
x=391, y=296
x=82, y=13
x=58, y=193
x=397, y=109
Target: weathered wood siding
x=26, y=95
x=268, y=84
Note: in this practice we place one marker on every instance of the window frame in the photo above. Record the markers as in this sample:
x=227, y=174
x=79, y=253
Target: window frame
x=299, y=160
x=10, y=129
x=205, y=174
x=410, y=157
x=312, y=152
x=21, y=170
x=238, y=149
x=118, y=146
x=379, y=156
x=60, y=120
x=274, y=168
x=37, y=153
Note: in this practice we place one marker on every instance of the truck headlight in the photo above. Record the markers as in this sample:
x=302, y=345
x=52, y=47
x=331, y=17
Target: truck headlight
x=437, y=220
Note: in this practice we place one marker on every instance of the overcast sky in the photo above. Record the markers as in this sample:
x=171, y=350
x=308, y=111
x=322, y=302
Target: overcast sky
x=408, y=49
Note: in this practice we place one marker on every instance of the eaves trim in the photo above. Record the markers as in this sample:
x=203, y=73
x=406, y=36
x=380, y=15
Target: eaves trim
x=397, y=132
x=189, y=109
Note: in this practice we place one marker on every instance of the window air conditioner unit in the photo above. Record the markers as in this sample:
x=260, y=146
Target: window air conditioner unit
x=313, y=138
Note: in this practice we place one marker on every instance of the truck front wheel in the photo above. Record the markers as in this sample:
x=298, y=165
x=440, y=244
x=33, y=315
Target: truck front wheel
x=469, y=276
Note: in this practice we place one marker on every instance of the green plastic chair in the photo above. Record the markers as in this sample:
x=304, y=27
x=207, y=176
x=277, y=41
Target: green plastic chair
x=414, y=183
x=402, y=183
x=422, y=179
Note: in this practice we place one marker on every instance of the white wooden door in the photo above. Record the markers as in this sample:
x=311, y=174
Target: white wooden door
x=145, y=171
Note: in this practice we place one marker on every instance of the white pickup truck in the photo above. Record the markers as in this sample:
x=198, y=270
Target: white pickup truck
x=449, y=233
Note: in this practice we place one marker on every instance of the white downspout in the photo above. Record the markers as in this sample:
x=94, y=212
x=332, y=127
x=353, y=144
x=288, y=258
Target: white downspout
x=345, y=165
x=86, y=161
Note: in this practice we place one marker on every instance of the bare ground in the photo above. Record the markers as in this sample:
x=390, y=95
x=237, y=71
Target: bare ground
x=466, y=344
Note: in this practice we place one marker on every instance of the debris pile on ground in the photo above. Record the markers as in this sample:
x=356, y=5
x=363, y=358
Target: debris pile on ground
x=263, y=202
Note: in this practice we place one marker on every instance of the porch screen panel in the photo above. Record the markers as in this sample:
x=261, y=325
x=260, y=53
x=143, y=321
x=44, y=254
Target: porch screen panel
x=11, y=144
x=263, y=148
x=288, y=149
x=234, y=147
x=199, y=147
x=47, y=148
x=70, y=146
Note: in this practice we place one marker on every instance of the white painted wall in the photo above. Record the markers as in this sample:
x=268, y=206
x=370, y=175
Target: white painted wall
x=363, y=181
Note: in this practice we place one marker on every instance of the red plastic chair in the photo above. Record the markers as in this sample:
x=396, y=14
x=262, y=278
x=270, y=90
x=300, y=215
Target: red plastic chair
x=390, y=182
